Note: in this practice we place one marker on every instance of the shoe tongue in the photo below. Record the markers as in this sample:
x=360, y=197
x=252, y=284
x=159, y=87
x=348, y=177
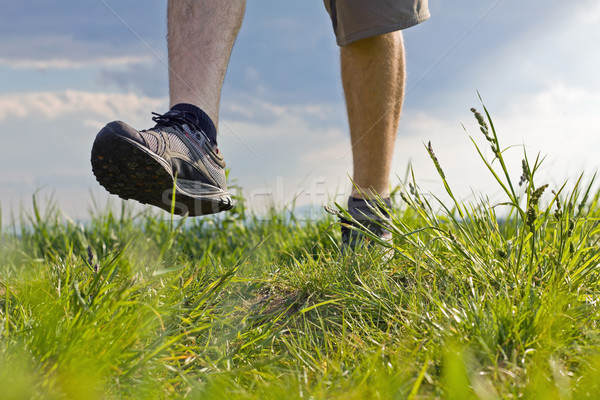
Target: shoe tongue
x=355, y=202
x=190, y=117
x=203, y=121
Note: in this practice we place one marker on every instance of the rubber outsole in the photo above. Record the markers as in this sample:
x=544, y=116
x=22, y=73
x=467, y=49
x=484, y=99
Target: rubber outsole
x=131, y=171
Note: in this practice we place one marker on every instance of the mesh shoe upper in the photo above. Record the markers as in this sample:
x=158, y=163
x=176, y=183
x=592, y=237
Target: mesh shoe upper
x=364, y=221
x=177, y=138
x=366, y=215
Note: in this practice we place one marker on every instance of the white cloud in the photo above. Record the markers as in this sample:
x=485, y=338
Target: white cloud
x=249, y=108
x=68, y=51
x=53, y=105
x=69, y=63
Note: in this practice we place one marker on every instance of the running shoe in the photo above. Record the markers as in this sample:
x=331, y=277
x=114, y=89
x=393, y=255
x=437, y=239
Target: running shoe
x=175, y=157
x=364, y=221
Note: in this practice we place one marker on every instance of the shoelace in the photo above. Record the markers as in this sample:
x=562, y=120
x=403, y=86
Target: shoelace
x=364, y=219
x=177, y=118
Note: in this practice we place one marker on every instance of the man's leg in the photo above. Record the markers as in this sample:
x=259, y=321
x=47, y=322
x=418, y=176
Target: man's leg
x=179, y=155
x=373, y=75
x=201, y=34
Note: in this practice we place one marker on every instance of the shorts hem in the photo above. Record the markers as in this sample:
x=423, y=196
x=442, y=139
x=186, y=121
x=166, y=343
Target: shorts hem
x=380, y=30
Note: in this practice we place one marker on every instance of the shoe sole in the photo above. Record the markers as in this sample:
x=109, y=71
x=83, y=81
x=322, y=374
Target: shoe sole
x=131, y=171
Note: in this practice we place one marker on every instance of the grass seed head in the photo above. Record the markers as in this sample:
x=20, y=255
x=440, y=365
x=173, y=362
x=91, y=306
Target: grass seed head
x=436, y=162
x=404, y=198
x=502, y=254
x=482, y=124
x=558, y=212
x=531, y=207
x=486, y=132
x=537, y=193
x=526, y=176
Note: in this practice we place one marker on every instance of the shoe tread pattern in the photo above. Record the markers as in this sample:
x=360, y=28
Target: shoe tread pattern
x=129, y=171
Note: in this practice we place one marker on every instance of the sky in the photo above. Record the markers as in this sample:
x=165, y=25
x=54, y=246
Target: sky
x=68, y=67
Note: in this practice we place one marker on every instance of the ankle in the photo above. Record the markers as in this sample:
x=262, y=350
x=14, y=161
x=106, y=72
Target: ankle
x=204, y=122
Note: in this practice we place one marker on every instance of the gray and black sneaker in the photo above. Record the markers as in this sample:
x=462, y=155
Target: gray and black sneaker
x=176, y=154
x=366, y=217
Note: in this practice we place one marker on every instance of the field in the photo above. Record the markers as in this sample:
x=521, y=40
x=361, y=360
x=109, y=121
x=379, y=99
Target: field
x=474, y=303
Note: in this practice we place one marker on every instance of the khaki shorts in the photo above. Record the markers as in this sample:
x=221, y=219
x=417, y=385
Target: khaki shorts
x=359, y=19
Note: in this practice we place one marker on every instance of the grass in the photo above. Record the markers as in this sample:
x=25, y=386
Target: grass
x=480, y=301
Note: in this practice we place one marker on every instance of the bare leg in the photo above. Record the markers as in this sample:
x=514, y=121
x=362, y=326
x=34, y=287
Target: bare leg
x=373, y=72
x=201, y=34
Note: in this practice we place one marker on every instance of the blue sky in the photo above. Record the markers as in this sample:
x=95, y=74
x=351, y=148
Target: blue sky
x=68, y=67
